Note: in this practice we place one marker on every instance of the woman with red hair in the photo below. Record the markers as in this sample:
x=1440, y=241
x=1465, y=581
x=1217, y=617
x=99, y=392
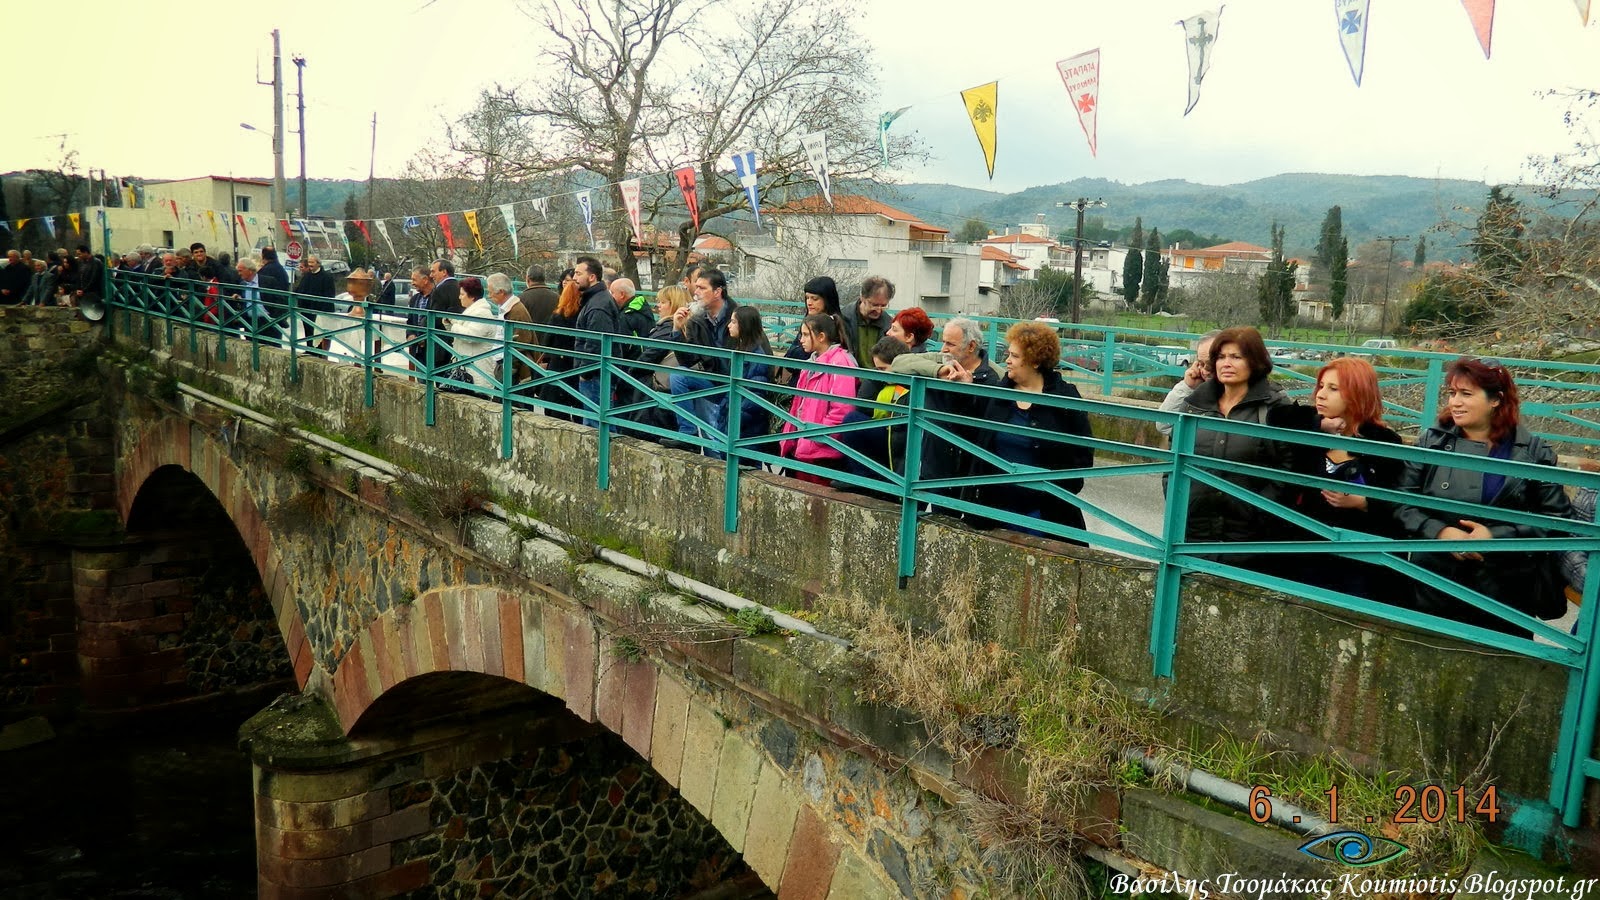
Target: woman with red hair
x=911, y=327
x=1480, y=419
x=1347, y=403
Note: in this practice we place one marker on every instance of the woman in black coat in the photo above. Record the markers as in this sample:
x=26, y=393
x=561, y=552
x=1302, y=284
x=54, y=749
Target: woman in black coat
x=1031, y=364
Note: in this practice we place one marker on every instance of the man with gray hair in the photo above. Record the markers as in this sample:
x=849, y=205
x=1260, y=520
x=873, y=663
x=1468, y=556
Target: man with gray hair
x=962, y=346
x=514, y=310
x=1199, y=370
x=149, y=263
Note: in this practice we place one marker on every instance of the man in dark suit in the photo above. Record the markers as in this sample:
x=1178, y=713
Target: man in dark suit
x=445, y=298
x=271, y=266
x=538, y=299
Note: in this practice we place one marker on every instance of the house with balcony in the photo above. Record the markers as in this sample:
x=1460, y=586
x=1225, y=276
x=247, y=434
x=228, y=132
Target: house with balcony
x=858, y=236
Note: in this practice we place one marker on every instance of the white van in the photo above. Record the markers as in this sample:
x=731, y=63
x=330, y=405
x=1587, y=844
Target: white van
x=1380, y=344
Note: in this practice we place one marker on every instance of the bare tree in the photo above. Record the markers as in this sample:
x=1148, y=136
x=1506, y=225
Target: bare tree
x=652, y=85
x=1226, y=298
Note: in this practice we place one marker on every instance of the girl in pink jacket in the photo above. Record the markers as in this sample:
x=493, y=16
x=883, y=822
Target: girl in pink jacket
x=819, y=336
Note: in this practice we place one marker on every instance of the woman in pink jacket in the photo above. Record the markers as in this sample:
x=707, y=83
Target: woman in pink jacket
x=819, y=336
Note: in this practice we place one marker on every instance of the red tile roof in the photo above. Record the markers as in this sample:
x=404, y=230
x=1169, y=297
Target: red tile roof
x=1240, y=247
x=1016, y=239
x=852, y=205
x=712, y=242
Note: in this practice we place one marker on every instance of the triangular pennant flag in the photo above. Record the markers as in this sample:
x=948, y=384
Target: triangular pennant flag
x=585, y=204
x=1081, y=75
x=49, y=223
x=1583, y=10
x=342, y=228
x=691, y=196
x=509, y=216
x=744, y=165
x=77, y=222
x=6, y=226
x=239, y=217
x=1351, y=17
x=22, y=223
x=471, y=216
x=983, y=104
x=174, y=209
x=366, y=236
x=816, y=147
x=410, y=223
x=1199, y=33
x=884, y=121
x=449, y=236
x=541, y=205
x=1481, y=12
x=383, y=229
x=287, y=234
x=211, y=216
x=631, y=192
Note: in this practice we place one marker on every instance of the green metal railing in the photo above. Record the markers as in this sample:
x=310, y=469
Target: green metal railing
x=932, y=412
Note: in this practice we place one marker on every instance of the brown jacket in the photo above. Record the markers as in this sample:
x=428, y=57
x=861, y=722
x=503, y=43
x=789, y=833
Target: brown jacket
x=515, y=311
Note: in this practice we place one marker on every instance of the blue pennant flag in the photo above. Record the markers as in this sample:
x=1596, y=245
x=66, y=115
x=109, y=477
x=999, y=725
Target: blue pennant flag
x=744, y=164
x=410, y=223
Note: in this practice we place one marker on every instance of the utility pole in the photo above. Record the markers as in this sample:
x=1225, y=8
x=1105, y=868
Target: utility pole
x=372, y=165
x=280, y=196
x=1383, y=321
x=1080, y=205
x=300, y=103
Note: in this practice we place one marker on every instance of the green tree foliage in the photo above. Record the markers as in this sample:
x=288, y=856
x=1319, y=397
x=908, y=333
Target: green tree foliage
x=1150, y=283
x=1275, y=288
x=1133, y=265
x=1497, y=247
x=1339, y=279
x=1449, y=305
x=972, y=231
x=1330, y=239
x=1421, y=258
x=1189, y=238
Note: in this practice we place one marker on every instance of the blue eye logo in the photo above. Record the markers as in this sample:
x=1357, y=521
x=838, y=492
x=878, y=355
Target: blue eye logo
x=1354, y=849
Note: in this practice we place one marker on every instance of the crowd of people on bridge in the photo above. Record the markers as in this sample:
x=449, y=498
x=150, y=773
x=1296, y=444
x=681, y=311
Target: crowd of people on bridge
x=458, y=328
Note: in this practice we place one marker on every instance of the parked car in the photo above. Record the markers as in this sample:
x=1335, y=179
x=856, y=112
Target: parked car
x=1380, y=344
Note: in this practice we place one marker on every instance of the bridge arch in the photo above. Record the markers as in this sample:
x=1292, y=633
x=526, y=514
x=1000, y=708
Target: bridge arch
x=760, y=808
x=172, y=441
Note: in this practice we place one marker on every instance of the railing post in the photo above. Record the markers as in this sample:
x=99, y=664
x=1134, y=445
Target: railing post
x=221, y=325
x=368, y=357
x=294, y=342
x=730, y=437
x=906, y=544
x=602, y=412
x=506, y=418
x=430, y=378
x=1108, y=368
x=1574, y=746
x=1431, y=388
x=254, y=326
x=1169, y=573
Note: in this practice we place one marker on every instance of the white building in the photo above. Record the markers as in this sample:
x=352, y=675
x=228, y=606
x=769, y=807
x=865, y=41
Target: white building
x=230, y=215
x=857, y=237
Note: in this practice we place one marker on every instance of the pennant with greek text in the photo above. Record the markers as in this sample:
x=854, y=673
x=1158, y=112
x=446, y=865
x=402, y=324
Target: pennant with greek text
x=1481, y=12
x=631, y=202
x=471, y=216
x=691, y=196
x=383, y=229
x=884, y=121
x=983, y=108
x=77, y=222
x=1081, y=75
x=1199, y=33
x=509, y=216
x=587, y=205
x=744, y=165
x=449, y=236
x=1351, y=18
x=816, y=147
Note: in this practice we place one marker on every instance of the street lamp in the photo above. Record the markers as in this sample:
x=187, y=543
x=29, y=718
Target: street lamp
x=1080, y=205
x=279, y=197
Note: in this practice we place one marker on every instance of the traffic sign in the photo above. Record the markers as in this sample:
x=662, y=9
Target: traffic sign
x=295, y=251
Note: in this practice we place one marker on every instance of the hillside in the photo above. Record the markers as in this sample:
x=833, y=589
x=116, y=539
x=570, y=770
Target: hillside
x=1372, y=205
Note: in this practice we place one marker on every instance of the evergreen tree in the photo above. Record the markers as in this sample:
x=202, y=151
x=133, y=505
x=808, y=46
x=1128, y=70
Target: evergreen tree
x=1338, y=279
x=1331, y=237
x=1133, y=265
x=1276, y=287
x=1150, y=289
x=1421, y=259
x=1498, y=248
x=360, y=253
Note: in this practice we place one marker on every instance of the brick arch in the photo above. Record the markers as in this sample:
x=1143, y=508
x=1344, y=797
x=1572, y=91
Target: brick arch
x=178, y=442
x=557, y=649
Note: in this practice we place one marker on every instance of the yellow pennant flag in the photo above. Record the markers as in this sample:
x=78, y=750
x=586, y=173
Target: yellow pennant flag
x=75, y=219
x=471, y=216
x=22, y=223
x=983, y=108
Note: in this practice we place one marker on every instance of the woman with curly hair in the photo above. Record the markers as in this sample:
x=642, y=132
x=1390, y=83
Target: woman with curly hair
x=1031, y=370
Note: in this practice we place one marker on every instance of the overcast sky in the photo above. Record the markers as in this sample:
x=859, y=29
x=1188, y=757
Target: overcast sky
x=161, y=95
